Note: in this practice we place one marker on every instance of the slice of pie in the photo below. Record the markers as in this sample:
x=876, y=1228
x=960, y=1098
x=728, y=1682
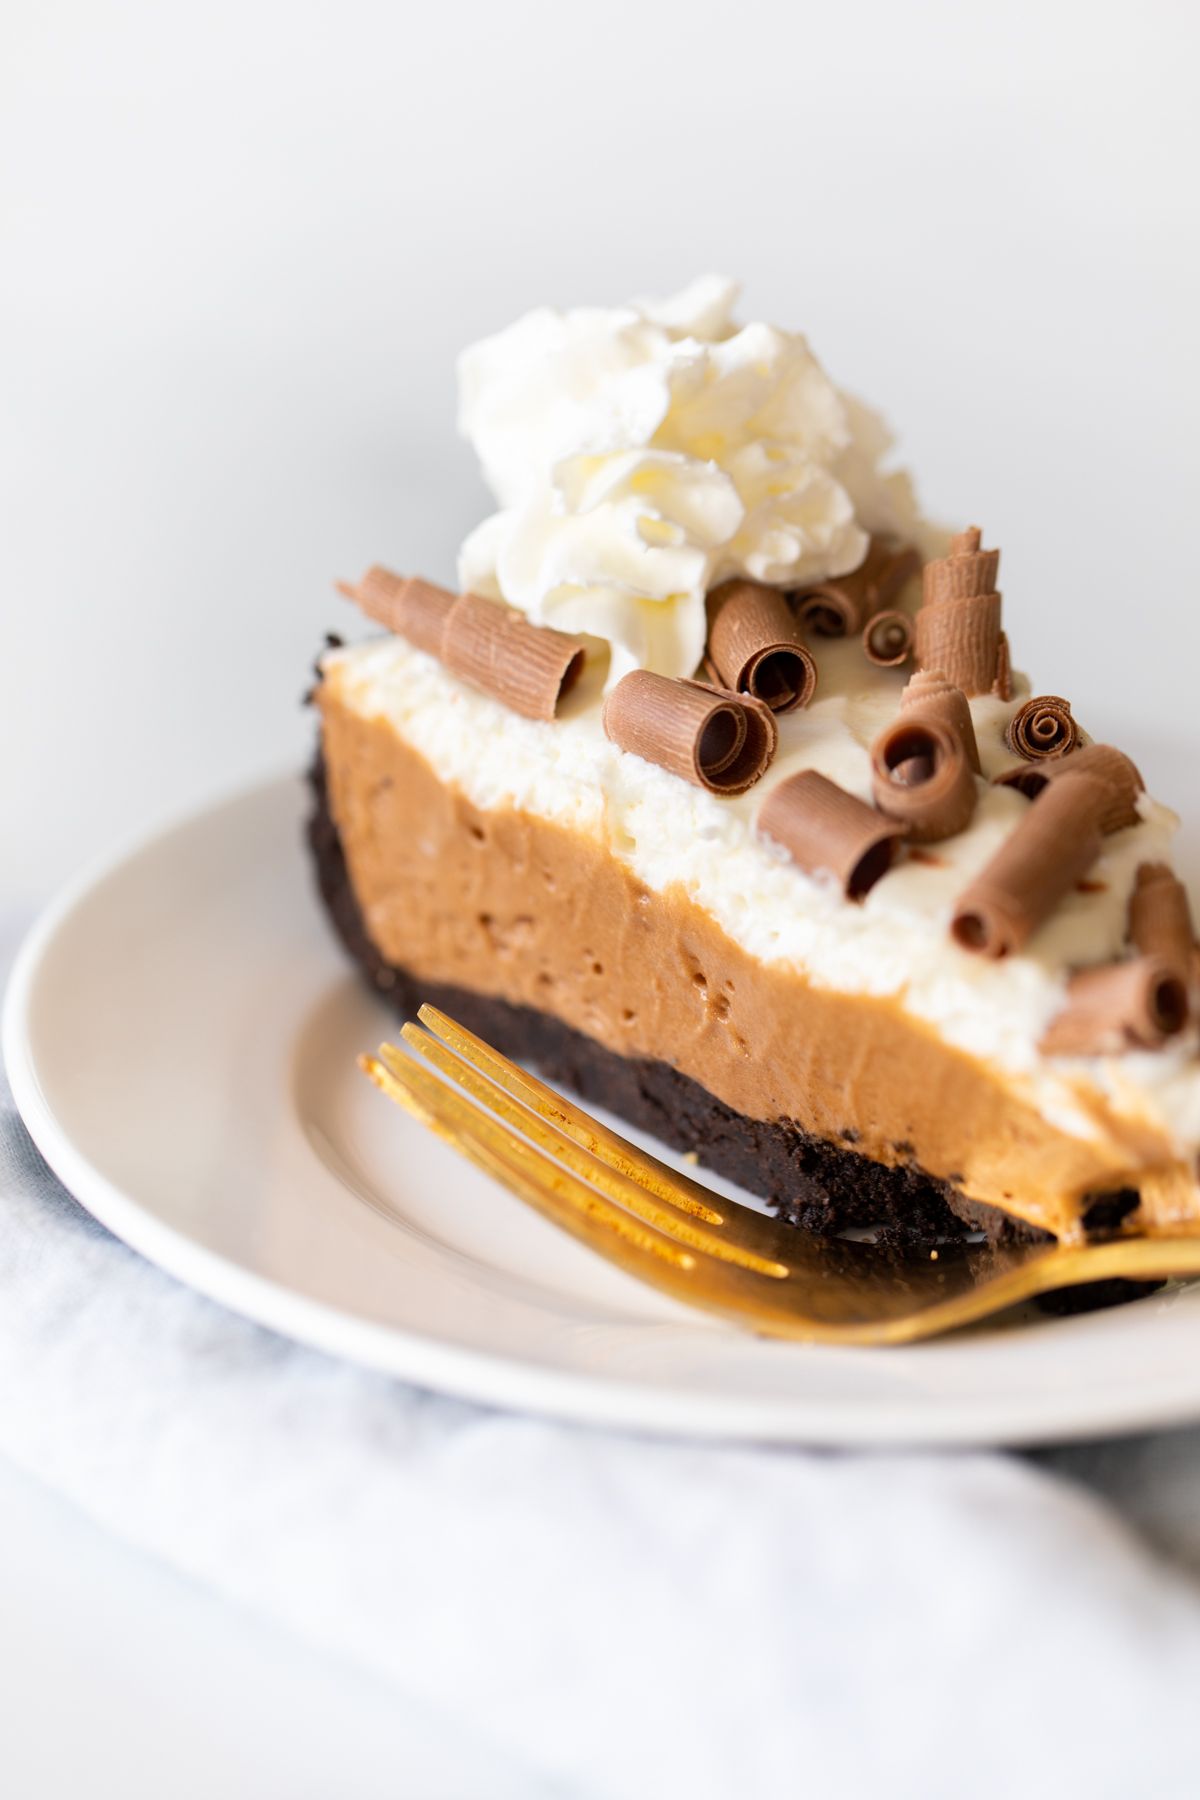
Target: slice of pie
x=712, y=792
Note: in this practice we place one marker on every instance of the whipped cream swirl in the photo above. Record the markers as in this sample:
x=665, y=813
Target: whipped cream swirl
x=642, y=454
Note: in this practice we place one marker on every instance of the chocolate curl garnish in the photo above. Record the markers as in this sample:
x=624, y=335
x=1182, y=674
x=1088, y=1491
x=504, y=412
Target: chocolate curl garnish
x=887, y=639
x=754, y=647
x=827, y=831
x=1051, y=849
x=415, y=609
x=958, y=626
x=528, y=667
x=1042, y=727
x=928, y=695
x=1002, y=686
x=720, y=741
x=961, y=638
x=1160, y=918
x=966, y=572
x=840, y=607
x=1112, y=767
x=1123, y=1006
x=920, y=775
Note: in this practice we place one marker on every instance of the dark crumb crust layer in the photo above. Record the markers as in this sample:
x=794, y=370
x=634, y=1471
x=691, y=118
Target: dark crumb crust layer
x=821, y=1187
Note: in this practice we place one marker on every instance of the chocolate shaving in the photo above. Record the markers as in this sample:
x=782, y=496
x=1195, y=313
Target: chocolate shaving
x=961, y=637
x=1160, y=918
x=928, y=695
x=841, y=606
x=719, y=740
x=958, y=625
x=888, y=639
x=528, y=667
x=1042, y=727
x=1122, y=1006
x=1110, y=766
x=414, y=609
x=754, y=646
x=920, y=775
x=965, y=572
x=1002, y=686
x=827, y=831
x=1051, y=849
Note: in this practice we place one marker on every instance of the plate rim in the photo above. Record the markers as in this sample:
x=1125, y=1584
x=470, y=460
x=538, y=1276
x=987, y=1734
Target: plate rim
x=495, y=1378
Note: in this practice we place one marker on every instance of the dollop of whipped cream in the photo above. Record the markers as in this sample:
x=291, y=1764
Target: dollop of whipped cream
x=642, y=454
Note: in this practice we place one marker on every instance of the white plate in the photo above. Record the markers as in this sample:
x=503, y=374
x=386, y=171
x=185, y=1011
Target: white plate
x=180, y=1036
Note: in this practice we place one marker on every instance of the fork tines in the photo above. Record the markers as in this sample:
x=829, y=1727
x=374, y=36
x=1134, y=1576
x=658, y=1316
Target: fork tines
x=700, y=1247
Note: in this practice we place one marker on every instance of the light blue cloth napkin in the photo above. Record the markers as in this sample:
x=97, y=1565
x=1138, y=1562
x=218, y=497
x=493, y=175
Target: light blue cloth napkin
x=625, y=1617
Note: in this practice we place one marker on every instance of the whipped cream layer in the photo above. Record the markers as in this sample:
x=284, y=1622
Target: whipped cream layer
x=642, y=454
x=894, y=944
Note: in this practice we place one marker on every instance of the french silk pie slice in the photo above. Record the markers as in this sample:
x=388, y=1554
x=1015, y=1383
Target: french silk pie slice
x=712, y=790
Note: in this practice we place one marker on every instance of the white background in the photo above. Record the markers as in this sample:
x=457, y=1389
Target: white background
x=241, y=243
x=239, y=247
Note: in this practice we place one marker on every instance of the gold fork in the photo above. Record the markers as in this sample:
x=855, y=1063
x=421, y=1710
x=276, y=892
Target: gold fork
x=713, y=1253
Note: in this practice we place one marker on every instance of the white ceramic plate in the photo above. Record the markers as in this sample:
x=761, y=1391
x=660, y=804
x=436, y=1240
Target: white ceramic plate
x=180, y=1036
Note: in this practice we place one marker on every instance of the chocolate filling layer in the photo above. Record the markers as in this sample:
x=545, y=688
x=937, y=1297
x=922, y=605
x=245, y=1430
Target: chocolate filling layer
x=821, y=1186
x=816, y=1185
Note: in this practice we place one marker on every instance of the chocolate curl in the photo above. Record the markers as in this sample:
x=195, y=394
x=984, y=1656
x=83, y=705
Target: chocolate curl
x=1160, y=919
x=964, y=573
x=1042, y=727
x=414, y=609
x=754, y=647
x=1051, y=849
x=958, y=626
x=920, y=775
x=961, y=637
x=840, y=607
x=826, y=831
x=1002, y=686
x=887, y=639
x=928, y=695
x=1123, y=1006
x=720, y=741
x=1112, y=767
x=528, y=667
